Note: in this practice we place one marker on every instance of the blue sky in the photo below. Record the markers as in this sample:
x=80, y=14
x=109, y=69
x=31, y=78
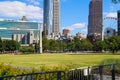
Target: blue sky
x=74, y=13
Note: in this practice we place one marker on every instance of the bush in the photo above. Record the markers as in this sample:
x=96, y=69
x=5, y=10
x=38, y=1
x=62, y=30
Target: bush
x=107, y=69
x=110, y=61
x=27, y=49
x=6, y=70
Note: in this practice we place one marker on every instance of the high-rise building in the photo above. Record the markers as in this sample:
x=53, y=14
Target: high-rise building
x=95, y=19
x=51, y=17
x=118, y=22
x=47, y=14
x=56, y=16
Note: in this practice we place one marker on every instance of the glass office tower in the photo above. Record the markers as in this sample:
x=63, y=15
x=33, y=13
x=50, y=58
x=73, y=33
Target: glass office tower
x=47, y=23
x=51, y=17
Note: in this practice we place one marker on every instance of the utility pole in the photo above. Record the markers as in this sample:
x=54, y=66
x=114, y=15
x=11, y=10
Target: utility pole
x=40, y=39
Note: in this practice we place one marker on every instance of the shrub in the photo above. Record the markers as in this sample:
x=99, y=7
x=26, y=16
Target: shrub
x=110, y=61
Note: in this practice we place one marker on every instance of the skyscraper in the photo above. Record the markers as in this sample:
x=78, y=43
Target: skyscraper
x=46, y=22
x=51, y=17
x=56, y=16
x=118, y=22
x=95, y=19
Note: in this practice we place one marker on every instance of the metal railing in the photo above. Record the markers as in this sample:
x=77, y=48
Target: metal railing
x=54, y=75
x=102, y=72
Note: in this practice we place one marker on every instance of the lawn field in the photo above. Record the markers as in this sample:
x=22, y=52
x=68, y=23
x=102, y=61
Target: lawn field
x=51, y=60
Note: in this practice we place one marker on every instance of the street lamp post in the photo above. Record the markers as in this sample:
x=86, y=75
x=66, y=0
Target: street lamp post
x=60, y=44
x=103, y=35
x=40, y=39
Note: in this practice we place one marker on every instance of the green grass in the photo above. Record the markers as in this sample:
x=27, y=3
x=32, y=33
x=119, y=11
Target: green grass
x=51, y=60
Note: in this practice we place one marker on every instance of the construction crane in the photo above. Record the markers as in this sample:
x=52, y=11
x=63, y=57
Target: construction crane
x=116, y=1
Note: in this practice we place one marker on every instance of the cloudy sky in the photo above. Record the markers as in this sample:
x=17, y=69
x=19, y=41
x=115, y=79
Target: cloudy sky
x=74, y=13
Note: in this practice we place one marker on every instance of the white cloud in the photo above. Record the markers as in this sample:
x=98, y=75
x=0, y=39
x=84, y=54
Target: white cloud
x=76, y=26
x=17, y=9
x=1, y=19
x=111, y=14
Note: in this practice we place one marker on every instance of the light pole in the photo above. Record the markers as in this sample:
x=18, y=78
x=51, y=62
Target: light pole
x=61, y=44
x=40, y=39
x=102, y=32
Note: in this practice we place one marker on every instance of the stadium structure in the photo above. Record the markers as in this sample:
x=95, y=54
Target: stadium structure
x=20, y=31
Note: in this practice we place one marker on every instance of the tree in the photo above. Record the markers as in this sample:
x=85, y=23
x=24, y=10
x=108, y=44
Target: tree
x=114, y=43
x=97, y=46
x=37, y=47
x=45, y=44
x=71, y=46
x=11, y=45
x=54, y=45
x=104, y=45
x=1, y=45
x=62, y=45
x=86, y=45
x=77, y=44
x=27, y=49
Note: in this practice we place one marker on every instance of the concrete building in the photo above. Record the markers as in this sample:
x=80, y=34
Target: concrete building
x=51, y=23
x=27, y=38
x=80, y=36
x=56, y=16
x=95, y=19
x=118, y=22
x=66, y=31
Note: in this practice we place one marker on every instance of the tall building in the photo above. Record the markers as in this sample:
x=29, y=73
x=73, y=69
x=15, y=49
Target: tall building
x=51, y=17
x=95, y=19
x=56, y=16
x=118, y=22
x=47, y=14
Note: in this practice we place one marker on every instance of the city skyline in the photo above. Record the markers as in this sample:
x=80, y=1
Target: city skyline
x=74, y=14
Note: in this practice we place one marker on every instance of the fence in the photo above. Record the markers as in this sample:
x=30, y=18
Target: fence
x=54, y=75
x=102, y=72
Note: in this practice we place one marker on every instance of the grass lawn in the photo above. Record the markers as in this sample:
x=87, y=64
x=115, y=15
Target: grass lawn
x=51, y=60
